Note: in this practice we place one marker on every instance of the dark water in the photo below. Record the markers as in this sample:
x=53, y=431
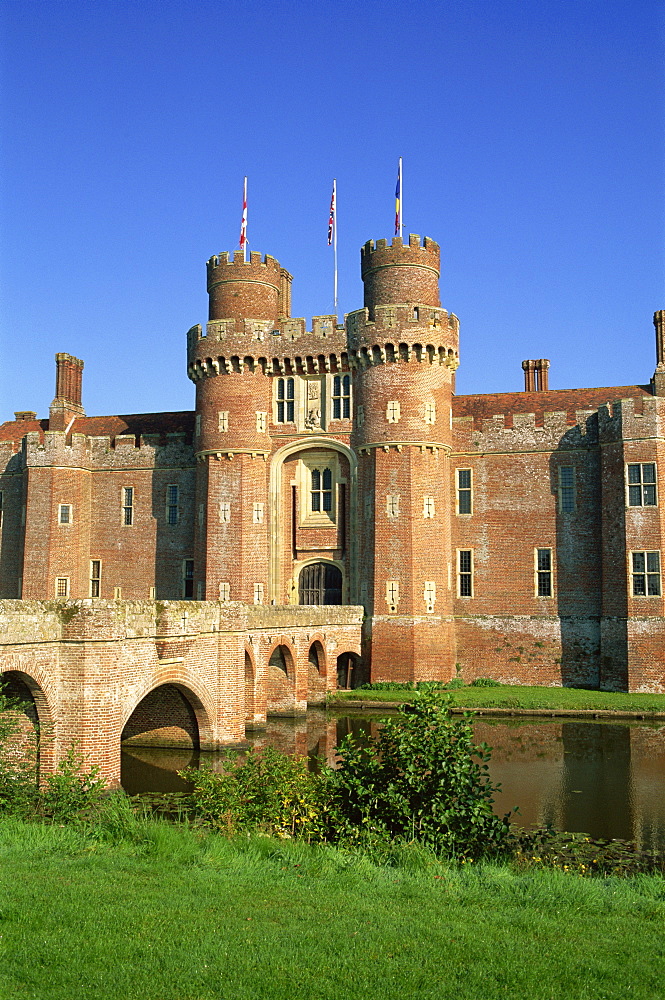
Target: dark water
x=603, y=779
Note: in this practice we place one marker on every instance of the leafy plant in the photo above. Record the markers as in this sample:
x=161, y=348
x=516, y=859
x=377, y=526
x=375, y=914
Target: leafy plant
x=267, y=791
x=72, y=788
x=485, y=682
x=18, y=762
x=421, y=779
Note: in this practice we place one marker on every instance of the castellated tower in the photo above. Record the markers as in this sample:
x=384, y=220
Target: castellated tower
x=232, y=442
x=404, y=348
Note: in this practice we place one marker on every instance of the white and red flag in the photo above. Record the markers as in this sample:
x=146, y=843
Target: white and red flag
x=331, y=220
x=243, y=224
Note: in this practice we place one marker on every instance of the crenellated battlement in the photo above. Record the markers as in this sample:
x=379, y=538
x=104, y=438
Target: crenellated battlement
x=398, y=247
x=533, y=431
x=82, y=451
x=236, y=262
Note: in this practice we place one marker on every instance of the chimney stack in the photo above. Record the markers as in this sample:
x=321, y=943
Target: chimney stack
x=536, y=375
x=68, y=384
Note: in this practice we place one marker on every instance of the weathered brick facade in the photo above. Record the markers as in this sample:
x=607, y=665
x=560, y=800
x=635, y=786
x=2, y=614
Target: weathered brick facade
x=513, y=535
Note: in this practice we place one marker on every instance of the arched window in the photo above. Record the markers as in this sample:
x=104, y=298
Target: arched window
x=320, y=583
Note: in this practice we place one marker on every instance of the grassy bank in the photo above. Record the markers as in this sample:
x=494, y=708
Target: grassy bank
x=147, y=911
x=509, y=696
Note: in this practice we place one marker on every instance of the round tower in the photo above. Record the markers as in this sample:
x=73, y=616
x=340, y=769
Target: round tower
x=233, y=414
x=404, y=350
x=242, y=289
x=400, y=273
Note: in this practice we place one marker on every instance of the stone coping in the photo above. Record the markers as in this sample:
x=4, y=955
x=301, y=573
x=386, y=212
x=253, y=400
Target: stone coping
x=540, y=713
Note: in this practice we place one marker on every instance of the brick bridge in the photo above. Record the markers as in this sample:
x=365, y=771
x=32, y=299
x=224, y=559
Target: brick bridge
x=97, y=673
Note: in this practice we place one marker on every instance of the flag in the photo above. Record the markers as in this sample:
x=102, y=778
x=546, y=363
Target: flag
x=398, y=198
x=331, y=220
x=243, y=224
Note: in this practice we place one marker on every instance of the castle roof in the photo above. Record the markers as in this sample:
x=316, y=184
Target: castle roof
x=138, y=424
x=569, y=401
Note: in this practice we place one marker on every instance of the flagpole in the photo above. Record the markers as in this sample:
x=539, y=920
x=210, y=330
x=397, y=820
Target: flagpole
x=401, y=197
x=335, y=241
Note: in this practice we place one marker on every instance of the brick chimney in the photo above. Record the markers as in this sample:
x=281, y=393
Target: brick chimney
x=67, y=402
x=536, y=375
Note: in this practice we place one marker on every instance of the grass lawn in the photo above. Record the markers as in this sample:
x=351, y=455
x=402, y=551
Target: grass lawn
x=166, y=915
x=519, y=697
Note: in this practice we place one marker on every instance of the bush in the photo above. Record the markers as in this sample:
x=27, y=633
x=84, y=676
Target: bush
x=421, y=779
x=454, y=684
x=268, y=791
x=18, y=763
x=485, y=682
x=71, y=789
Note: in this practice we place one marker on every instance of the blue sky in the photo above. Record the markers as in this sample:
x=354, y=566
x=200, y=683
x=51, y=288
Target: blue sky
x=532, y=133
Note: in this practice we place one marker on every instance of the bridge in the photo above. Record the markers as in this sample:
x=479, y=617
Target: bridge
x=95, y=673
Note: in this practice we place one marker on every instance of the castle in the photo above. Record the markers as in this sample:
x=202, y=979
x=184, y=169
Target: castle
x=513, y=535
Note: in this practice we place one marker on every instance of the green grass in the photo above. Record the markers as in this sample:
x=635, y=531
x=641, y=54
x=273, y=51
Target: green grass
x=164, y=914
x=519, y=697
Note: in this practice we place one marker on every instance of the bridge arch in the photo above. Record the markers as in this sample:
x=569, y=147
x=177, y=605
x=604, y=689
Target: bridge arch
x=250, y=686
x=317, y=671
x=35, y=738
x=281, y=677
x=169, y=712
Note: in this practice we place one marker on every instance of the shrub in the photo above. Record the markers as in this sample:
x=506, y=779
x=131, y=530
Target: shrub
x=421, y=779
x=454, y=684
x=267, y=791
x=18, y=763
x=485, y=682
x=71, y=789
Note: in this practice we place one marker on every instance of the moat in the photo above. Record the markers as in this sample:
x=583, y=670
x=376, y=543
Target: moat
x=606, y=779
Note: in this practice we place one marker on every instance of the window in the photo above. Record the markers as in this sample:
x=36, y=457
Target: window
x=360, y=415
x=286, y=394
x=393, y=411
x=197, y=424
x=641, y=484
x=261, y=421
x=321, y=491
x=646, y=574
x=225, y=591
x=128, y=505
x=1, y=505
x=429, y=595
x=65, y=513
x=464, y=491
x=566, y=489
x=258, y=513
x=95, y=578
x=199, y=590
x=223, y=420
x=62, y=586
x=172, y=510
x=543, y=569
x=465, y=572
x=341, y=396
x=202, y=515
x=392, y=504
x=430, y=413
x=117, y=593
x=224, y=513
x=188, y=579
x=428, y=507
x=258, y=593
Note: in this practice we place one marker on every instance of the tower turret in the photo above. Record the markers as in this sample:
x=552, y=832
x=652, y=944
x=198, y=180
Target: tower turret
x=257, y=289
x=404, y=351
x=400, y=273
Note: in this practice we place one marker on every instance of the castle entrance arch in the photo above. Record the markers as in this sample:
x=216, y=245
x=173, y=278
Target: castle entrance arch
x=320, y=583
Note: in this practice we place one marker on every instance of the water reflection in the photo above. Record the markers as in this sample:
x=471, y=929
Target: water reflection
x=603, y=779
